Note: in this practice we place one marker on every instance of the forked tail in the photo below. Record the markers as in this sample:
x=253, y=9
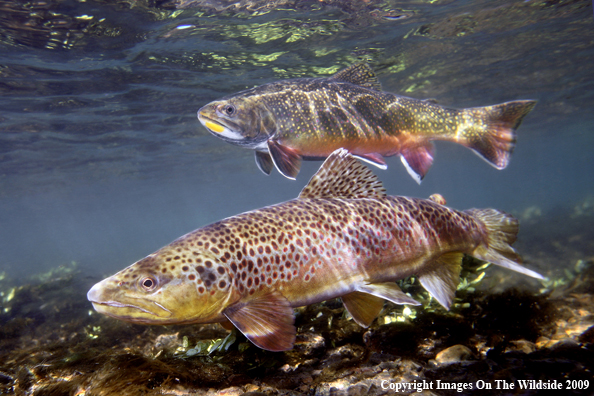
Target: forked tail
x=502, y=230
x=496, y=143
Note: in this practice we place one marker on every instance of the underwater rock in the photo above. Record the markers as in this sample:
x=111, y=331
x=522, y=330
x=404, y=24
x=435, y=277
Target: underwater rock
x=454, y=354
x=522, y=346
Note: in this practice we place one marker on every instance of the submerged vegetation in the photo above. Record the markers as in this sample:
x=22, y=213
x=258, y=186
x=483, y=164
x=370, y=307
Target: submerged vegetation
x=53, y=343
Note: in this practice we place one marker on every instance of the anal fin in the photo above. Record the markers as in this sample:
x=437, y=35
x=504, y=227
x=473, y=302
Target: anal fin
x=442, y=279
x=266, y=320
x=286, y=159
x=363, y=307
x=418, y=160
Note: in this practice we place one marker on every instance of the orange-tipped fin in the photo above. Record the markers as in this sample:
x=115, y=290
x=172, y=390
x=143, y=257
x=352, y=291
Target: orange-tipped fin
x=418, y=160
x=286, y=159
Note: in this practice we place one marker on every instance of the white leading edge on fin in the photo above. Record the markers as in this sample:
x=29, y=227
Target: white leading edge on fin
x=410, y=170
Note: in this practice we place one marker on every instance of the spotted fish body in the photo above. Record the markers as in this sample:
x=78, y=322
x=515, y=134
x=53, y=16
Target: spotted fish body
x=309, y=118
x=342, y=237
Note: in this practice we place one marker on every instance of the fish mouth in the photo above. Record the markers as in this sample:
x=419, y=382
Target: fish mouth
x=140, y=310
x=218, y=127
x=132, y=312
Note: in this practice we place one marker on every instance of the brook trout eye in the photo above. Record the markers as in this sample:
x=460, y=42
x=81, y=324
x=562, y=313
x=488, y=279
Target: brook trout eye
x=229, y=110
x=148, y=283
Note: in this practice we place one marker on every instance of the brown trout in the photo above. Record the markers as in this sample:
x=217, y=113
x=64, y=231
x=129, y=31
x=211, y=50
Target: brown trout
x=342, y=237
x=309, y=118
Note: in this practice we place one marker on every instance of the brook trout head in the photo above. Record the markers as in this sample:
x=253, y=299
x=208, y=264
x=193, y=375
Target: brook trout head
x=166, y=287
x=241, y=120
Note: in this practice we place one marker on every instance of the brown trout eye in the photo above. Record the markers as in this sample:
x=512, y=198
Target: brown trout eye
x=148, y=284
x=229, y=110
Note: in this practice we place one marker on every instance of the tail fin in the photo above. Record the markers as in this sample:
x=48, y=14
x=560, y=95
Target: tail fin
x=502, y=230
x=497, y=142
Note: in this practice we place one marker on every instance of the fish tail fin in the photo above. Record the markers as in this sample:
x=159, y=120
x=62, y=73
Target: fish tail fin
x=496, y=139
x=502, y=230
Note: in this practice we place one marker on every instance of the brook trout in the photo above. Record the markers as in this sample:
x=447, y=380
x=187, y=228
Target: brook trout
x=309, y=118
x=342, y=237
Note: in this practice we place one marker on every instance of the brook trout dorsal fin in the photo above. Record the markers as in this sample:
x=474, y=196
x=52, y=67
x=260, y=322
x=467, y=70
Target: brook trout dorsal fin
x=266, y=320
x=359, y=74
x=342, y=176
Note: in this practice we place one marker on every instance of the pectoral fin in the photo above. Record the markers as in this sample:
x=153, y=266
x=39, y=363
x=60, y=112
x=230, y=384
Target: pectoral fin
x=286, y=159
x=264, y=162
x=418, y=160
x=266, y=320
x=363, y=307
x=442, y=279
x=388, y=291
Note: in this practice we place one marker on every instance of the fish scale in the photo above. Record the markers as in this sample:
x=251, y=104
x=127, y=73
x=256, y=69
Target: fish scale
x=342, y=237
x=309, y=118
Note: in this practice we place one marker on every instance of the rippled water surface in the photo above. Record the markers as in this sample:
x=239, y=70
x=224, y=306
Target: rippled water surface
x=102, y=159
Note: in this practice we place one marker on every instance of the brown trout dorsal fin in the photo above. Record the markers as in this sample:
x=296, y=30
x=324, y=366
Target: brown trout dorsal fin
x=359, y=74
x=442, y=279
x=388, y=291
x=266, y=320
x=285, y=159
x=363, y=307
x=264, y=162
x=342, y=176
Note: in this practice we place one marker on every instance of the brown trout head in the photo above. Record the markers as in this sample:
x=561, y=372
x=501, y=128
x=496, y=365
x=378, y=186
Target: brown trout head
x=155, y=291
x=241, y=120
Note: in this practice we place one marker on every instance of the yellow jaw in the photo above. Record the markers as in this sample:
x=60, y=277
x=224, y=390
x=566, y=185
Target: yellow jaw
x=218, y=128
